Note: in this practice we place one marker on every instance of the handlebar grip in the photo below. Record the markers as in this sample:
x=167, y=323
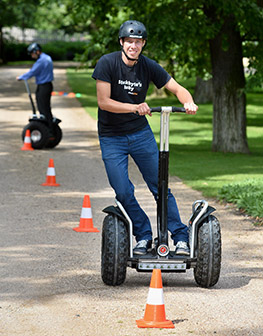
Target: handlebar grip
x=171, y=108
x=166, y=109
x=156, y=109
x=178, y=109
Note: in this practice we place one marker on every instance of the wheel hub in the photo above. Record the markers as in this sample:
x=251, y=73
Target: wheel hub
x=36, y=136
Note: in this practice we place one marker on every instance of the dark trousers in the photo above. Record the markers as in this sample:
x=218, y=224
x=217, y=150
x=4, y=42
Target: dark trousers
x=43, y=97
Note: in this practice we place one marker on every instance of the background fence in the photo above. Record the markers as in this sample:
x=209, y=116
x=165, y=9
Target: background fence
x=30, y=35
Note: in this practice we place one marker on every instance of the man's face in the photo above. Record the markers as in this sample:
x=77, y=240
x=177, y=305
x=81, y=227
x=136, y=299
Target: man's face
x=132, y=46
x=35, y=55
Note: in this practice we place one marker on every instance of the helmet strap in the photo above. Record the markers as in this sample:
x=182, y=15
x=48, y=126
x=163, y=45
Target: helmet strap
x=129, y=58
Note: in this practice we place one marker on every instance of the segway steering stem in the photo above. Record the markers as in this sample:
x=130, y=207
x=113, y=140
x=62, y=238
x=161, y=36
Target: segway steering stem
x=162, y=197
x=30, y=97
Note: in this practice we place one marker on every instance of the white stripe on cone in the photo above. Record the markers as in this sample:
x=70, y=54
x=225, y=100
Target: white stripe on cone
x=51, y=171
x=86, y=213
x=155, y=296
x=27, y=139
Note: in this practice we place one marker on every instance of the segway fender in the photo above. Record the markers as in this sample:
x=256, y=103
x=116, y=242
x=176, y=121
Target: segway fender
x=56, y=121
x=115, y=211
x=42, y=118
x=36, y=117
x=208, y=212
x=194, y=230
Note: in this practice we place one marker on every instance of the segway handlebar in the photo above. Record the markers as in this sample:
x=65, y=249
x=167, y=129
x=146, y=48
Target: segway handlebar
x=168, y=109
x=30, y=97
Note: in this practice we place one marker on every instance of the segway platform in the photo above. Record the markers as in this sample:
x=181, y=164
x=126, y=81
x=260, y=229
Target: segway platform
x=151, y=261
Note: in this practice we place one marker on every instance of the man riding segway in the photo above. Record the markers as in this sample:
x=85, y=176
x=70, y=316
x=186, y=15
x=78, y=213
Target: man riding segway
x=49, y=133
x=123, y=78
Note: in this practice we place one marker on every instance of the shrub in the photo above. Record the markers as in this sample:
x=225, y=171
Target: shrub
x=64, y=50
x=14, y=52
x=247, y=195
x=58, y=50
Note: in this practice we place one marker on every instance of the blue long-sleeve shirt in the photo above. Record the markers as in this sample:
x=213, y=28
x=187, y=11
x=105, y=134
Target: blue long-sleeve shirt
x=42, y=70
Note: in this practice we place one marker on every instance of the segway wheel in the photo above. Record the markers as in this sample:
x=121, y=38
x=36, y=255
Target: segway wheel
x=38, y=132
x=114, y=251
x=51, y=143
x=207, y=270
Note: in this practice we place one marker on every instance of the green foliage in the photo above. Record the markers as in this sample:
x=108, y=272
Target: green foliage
x=254, y=52
x=19, y=13
x=104, y=38
x=57, y=50
x=179, y=31
x=247, y=195
x=50, y=16
x=15, y=51
x=60, y=50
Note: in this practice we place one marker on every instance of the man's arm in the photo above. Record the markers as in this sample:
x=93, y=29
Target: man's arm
x=183, y=96
x=34, y=71
x=106, y=103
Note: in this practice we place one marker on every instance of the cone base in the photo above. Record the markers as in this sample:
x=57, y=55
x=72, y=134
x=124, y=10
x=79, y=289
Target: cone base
x=152, y=324
x=79, y=229
x=50, y=184
x=26, y=149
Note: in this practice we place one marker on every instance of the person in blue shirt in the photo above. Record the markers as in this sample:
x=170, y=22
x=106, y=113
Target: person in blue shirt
x=42, y=70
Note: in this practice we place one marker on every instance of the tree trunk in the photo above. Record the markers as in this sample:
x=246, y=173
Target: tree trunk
x=1, y=46
x=229, y=100
x=203, y=91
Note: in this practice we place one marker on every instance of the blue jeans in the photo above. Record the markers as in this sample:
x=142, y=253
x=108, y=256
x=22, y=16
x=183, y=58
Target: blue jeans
x=142, y=147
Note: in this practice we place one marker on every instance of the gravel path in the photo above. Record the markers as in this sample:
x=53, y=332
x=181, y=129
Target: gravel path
x=50, y=275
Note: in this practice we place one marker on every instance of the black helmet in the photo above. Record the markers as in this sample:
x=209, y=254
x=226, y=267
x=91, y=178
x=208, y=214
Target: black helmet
x=33, y=47
x=133, y=28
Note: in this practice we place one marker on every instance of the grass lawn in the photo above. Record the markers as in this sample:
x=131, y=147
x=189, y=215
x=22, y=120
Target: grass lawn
x=191, y=157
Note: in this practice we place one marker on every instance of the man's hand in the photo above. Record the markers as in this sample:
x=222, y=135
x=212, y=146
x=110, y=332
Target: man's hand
x=17, y=78
x=143, y=109
x=190, y=108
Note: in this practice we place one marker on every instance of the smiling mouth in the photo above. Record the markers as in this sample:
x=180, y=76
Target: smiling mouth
x=132, y=52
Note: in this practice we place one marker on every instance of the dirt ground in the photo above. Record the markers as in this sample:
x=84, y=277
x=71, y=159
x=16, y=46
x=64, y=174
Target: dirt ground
x=50, y=283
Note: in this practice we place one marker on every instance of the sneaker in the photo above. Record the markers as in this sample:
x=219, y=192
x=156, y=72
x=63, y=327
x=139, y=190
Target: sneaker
x=182, y=248
x=142, y=247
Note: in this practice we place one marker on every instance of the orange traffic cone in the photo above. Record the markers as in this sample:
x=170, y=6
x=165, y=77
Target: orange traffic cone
x=86, y=222
x=27, y=141
x=154, y=316
x=51, y=175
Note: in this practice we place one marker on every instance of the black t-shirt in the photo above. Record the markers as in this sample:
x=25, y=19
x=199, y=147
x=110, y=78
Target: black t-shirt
x=128, y=85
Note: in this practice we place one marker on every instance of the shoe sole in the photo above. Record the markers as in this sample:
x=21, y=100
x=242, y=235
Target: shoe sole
x=140, y=253
x=182, y=253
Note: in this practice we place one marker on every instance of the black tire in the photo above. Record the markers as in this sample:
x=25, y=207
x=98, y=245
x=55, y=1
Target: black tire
x=207, y=270
x=57, y=137
x=39, y=134
x=114, y=251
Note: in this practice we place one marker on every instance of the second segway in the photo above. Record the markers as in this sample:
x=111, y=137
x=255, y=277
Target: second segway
x=39, y=128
